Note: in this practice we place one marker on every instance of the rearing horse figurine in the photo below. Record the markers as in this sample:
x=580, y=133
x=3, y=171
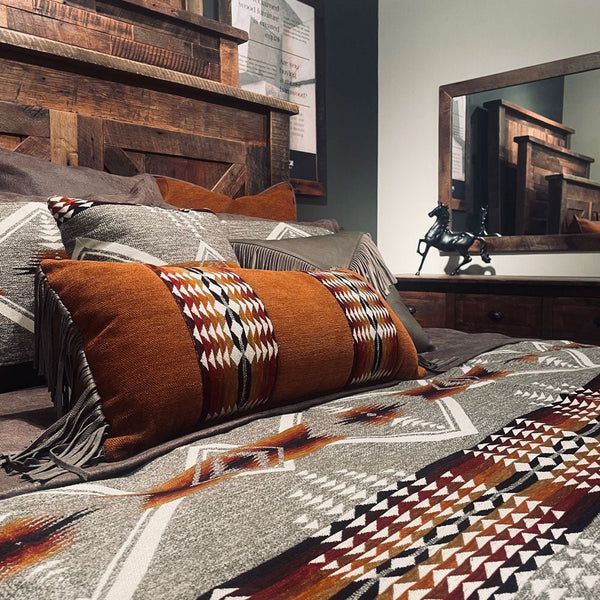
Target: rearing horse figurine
x=440, y=237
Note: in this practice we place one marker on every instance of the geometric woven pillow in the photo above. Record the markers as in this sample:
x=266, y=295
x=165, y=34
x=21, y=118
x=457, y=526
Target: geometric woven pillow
x=93, y=230
x=238, y=226
x=156, y=352
x=27, y=233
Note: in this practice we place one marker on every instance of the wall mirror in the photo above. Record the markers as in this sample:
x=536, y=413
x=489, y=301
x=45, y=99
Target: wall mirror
x=519, y=156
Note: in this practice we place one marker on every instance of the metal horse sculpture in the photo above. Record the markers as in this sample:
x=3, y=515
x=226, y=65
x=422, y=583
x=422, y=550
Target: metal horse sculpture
x=440, y=237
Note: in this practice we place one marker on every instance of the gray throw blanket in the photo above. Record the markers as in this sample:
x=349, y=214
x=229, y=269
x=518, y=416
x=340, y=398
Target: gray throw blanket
x=479, y=483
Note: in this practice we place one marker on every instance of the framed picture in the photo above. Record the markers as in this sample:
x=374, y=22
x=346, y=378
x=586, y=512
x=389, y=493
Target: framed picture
x=283, y=58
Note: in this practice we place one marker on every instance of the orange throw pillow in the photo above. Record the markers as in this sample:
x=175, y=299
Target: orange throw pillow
x=157, y=352
x=277, y=202
x=579, y=225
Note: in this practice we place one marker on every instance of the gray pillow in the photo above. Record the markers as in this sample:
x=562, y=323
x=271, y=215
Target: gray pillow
x=348, y=249
x=27, y=234
x=29, y=176
x=237, y=226
x=131, y=233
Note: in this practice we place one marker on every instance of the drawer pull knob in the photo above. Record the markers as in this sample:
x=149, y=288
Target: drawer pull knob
x=411, y=309
x=496, y=315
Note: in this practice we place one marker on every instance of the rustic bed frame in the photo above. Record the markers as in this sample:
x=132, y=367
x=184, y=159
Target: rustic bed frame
x=136, y=86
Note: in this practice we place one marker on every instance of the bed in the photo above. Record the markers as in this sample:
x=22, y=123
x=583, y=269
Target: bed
x=483, y=480
x=477, y=478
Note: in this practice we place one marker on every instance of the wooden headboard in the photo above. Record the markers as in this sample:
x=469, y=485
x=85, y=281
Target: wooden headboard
x=139, y=87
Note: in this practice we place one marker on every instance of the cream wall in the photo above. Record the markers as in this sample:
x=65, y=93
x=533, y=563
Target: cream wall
x=427, y=43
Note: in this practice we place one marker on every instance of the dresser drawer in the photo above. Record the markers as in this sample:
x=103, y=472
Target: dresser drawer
x=576, y=319
x=428, y=308
x=518, y=316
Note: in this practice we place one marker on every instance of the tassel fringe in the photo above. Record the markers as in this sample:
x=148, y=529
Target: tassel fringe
x=251, y=256
x=75, y=440
x=366, y=261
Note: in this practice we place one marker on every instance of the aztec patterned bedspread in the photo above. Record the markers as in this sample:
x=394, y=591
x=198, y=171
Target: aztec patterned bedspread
x=480, y=483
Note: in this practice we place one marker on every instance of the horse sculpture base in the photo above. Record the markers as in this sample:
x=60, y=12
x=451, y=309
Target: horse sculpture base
x=440, y=237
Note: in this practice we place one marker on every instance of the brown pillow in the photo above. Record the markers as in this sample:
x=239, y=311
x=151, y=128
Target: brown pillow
x=580, y=225
x=210, y=341
x=277, y=202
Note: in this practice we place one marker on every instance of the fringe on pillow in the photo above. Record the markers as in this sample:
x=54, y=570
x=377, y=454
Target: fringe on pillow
x=253, y=256
x=366, y=261
x=75, y=440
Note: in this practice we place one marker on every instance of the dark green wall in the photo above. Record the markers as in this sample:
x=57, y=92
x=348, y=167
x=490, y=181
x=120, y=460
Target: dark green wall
x=351, y=79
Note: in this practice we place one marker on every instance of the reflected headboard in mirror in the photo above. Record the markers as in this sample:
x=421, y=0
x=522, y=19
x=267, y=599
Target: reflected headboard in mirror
x=519, y=156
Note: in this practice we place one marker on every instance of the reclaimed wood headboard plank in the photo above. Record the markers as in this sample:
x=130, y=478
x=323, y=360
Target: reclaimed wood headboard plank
x=107, y=101
x=17, y=42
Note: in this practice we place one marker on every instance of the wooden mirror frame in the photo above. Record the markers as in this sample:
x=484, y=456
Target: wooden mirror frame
x=514, y=243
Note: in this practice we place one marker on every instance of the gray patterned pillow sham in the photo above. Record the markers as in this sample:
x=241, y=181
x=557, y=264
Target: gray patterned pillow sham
x=126, y=233
x=27, y=235
x=237, y=227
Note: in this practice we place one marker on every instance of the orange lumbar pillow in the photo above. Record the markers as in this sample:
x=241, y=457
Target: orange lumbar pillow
x=277, y=202
x=155, y=352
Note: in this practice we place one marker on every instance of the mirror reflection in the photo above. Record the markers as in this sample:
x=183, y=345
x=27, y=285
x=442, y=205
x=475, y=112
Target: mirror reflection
x=526, y=159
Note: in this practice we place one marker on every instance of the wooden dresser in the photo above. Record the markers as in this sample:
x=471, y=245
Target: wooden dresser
x=541, y=307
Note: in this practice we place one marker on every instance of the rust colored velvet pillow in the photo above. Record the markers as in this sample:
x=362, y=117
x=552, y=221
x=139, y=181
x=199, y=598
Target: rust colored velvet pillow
x=579, y=225
x=277, y=203
x=156, y=352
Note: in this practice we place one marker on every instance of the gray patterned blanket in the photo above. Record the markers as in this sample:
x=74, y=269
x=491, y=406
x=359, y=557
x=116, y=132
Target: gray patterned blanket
x=480, y=483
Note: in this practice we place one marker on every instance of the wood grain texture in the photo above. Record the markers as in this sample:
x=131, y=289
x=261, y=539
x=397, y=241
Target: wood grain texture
x=279, y=147
x=74, y=92
x=516, y=316
x=9, y=142
x=161, y=141
x=44, y=27
x=154, y=37
x=444, y=150
x=228, y=59
x=224, y=10
x=117, y=162
x=556, y=68
x=200, y=172
x=232, y=181
x=24, y=120
x=566, y=242
x=12, y=42
x=38, y=147
x=90, y=142
x=505, y=122
x=576, y=317
x=63, y=138
x=75, y=32
x=536, y=160
x=428, y=309
x=258, y=176
x=307, y=187
x=570, y=196
x=77, y=16
x=107, y=105
x=186, y=17
x=547, y=307
x=156, y=22
x=195, y=6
